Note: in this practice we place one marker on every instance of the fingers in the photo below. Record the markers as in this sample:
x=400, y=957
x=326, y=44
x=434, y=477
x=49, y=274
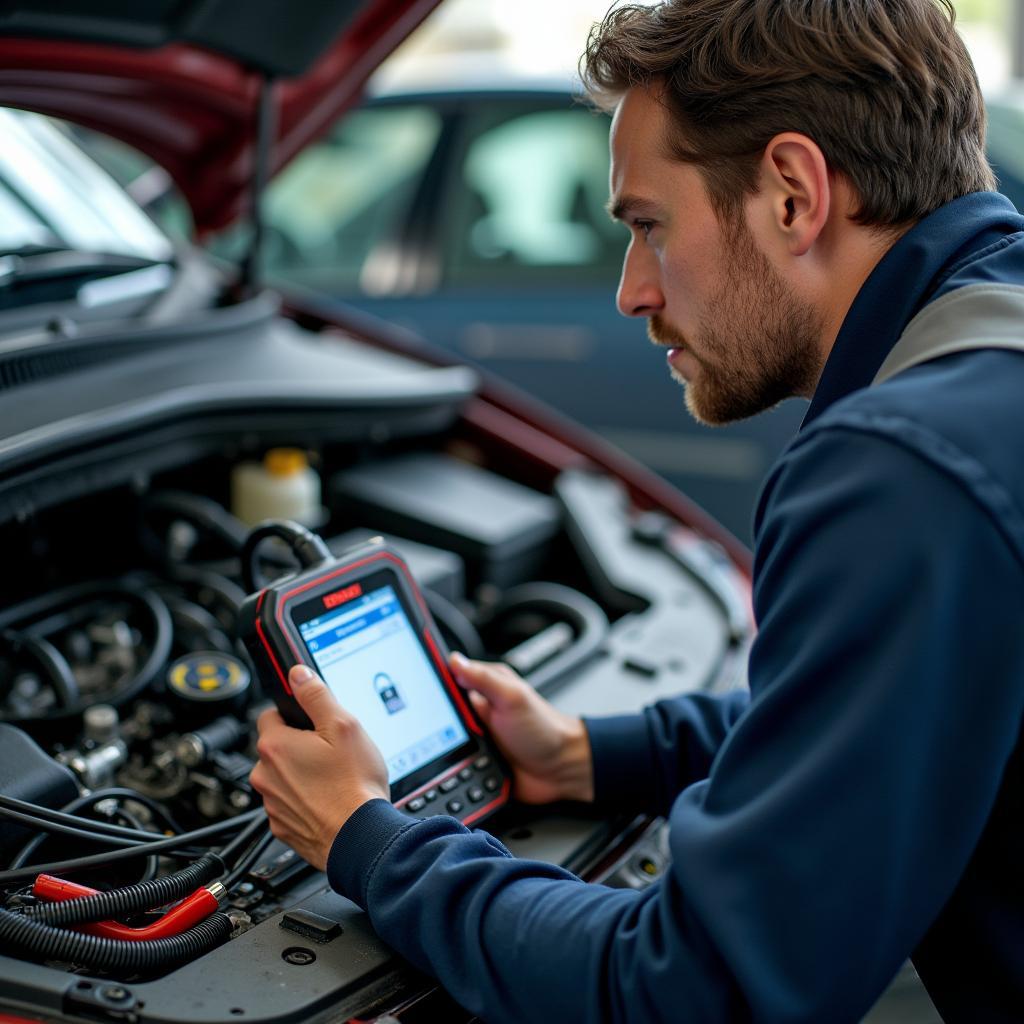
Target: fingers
x=269, y=720
x=498, y=683
x=314, y=697
x=481, y=707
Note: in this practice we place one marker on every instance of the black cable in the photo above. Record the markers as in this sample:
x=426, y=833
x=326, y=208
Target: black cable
x=55, y=828
x=659, y=531
x=307, y=547
x=230, y=853
x=152, y=863
x=250, y=857
x=588, y=620
x=462, y=634
x=173, y=845
x=193, y=620
x=229, y=593
x=54, y=665
x=210, y=516
x=39, y=813
x=41, y=940
x=130, y=899
x=25, y=854
x=62, y=608
x=121, y=793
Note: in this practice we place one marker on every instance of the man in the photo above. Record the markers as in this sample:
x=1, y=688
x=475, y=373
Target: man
x=800, y=179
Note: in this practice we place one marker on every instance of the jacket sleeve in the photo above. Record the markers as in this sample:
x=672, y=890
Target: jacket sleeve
x=642, y=762
x=837, y=817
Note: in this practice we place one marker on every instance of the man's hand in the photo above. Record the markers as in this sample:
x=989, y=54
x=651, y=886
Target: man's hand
x=549, y=751
x=312, y=780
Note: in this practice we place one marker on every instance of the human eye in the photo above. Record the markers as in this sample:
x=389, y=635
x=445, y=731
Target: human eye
x=643, y=227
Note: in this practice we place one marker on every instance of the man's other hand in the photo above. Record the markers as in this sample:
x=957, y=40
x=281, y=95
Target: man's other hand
x=312, y=780
x=549, y=751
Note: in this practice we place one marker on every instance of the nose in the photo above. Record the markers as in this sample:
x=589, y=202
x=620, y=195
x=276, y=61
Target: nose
x=639, y=291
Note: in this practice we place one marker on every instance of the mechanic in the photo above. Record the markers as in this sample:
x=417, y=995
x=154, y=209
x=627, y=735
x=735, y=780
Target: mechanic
x=801, y=178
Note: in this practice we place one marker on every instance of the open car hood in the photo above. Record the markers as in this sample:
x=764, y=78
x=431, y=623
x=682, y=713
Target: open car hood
x=180, y=80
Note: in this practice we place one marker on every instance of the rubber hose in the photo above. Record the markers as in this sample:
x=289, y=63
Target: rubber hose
x=93, y=951
x=132, y=898
x=43, y=613
x=452, y=621
x=53, y=663
x=585, y=616
x=307, y=547
x=203, y=512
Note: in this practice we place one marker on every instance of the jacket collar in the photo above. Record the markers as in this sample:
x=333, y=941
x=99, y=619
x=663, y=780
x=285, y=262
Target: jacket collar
x=904, y=281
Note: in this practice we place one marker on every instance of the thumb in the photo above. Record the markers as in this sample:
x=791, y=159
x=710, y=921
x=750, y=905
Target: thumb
x=498, y=683
x=312, y=695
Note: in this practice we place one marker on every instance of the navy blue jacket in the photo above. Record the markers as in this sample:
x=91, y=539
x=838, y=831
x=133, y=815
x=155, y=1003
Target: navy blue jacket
x=867, y=802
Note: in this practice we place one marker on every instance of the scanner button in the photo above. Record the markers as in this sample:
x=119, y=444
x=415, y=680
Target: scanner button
x=482, y=762
x=416, y=804
x=492, y=784
x=466, y=774
x=449, y=784
x=475, y=794
x=454, y=806
x=430, y=795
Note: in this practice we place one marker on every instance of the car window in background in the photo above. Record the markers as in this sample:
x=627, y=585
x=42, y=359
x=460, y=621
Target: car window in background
x=342, y=200
x=1006, y=144
x=52, y=194
x=529, y=201
x=146, y=182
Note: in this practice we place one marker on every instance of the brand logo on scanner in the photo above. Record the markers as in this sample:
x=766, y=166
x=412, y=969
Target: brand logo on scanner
x=343, y=595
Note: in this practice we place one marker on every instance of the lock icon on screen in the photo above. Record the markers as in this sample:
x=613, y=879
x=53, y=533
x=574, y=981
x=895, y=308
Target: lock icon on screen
x=388, y=693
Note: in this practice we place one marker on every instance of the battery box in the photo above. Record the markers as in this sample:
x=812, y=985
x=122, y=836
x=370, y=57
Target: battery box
x=502, y=529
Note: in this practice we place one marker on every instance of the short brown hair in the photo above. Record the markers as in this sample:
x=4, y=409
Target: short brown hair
x=885, y=88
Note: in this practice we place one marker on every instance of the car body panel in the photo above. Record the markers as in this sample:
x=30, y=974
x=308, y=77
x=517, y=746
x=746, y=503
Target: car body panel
x=192, y=109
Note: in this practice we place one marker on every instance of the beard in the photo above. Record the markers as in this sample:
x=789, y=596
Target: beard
x=758, y=344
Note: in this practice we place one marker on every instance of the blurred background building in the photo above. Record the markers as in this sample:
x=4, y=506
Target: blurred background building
x=544, y=37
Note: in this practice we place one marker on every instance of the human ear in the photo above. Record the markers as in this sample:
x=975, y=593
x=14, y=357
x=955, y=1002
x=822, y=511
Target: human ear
x=795, y=181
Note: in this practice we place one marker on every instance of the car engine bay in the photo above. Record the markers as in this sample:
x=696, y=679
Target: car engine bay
x=128, y=704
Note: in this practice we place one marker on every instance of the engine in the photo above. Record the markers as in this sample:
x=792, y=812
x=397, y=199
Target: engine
x=128, y=704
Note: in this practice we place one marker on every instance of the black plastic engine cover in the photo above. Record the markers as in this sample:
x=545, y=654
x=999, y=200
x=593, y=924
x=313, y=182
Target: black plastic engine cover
x=27, y=772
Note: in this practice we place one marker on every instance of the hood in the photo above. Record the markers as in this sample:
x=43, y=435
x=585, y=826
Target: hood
x=180, y=80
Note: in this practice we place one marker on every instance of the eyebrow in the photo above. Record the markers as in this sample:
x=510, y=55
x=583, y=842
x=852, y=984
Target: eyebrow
x=621, y=208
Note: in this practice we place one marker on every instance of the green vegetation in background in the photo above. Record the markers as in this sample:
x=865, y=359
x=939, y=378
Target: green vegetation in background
x=985, y=12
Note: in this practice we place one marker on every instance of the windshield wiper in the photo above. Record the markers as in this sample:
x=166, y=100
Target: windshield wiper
x=35, y=263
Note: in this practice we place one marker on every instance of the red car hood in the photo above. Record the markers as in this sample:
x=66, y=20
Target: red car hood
x=180, y=80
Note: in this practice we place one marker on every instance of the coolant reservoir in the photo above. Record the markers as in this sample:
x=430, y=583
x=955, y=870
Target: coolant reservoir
x=282, y=486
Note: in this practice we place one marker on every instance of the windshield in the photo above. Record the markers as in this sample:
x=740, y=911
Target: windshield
x=53, y=195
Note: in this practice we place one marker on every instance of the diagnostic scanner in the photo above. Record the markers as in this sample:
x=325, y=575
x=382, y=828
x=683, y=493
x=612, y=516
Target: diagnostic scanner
x=361, y=623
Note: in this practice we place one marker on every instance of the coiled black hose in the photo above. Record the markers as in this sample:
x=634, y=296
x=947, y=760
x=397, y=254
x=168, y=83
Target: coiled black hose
x=454, y=625
x=588, y=620
x=54, y=665
x=307, y=547
x=32, y=936
x=132, y=898
x=205, y=513
x=61, y=609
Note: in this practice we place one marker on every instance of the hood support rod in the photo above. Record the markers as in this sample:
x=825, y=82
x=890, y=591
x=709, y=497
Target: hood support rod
x=249, y=281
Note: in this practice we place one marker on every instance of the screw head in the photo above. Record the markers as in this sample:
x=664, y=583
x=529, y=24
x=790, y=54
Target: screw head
x=299, y=956
x=115, y=993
